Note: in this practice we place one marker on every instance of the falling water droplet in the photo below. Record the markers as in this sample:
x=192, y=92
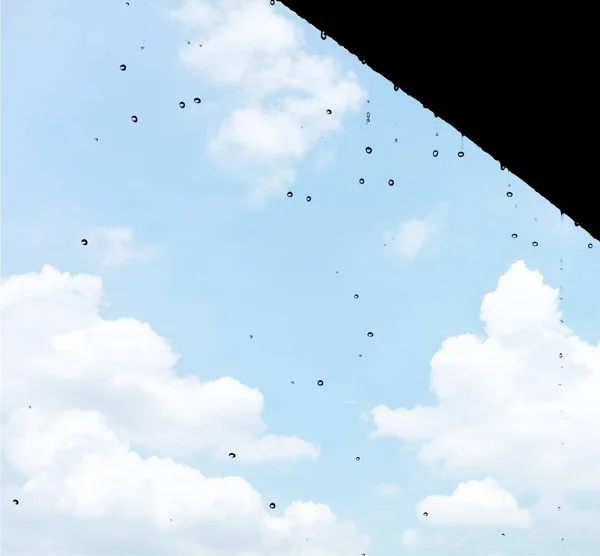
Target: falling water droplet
x=435, y=153
x=328, y=111
x=290, y=194
x=197, y=100
x=182, y=104
x=323, y=35
x=390, y=182
x=369, y=150
x=361, y=180
x=122, y=67
x=134, y=119
x=308, y=199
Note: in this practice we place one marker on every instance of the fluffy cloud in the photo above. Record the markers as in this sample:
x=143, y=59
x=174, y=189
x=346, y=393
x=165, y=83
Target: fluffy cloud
x=474, y=503
x=282, y=91
x=530, y=387
x=116, y=246
x=102, y=394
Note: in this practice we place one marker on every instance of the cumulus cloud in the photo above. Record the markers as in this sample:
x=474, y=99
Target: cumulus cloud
x=529, y=387
x=116, y=246
x=474, y=503
x=282, y=91
x=109, y=415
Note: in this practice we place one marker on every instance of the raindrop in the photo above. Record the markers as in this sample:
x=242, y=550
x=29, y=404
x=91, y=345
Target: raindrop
x=15, y=502
x=390, y=182
x=134, y=119
x=395, y=140
x=357, y=458
x=355, y=296
x=535, y=243
x=323, y=35
x=251, y=336
x=435, y=153
x=84, y=241
x=290, y=194
x=576, y=224
x=231, y=455
x=370, y=334
x=509, y=194
x=272, y=2
x=189, y=42
x=272, y=505
x=590, y=246
x=308, y=199
x=328, y=111
x=425, y=514
x=504, y=534
x=360, y=354
x=558, y=508
x=182, y=104
x=396, y=88
x=320, y=382
x=515, y=236
x=197, y=100
x=502, y=167
x=122, y=67
x=369, y=150
x=560, y=355
x=127, y=3
x=461, y=154
x=96, y=139
x=361, y=180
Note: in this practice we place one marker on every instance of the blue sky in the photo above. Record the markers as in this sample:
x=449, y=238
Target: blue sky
x=190, y=230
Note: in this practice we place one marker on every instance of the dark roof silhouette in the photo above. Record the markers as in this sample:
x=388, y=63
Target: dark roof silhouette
x=517, y=82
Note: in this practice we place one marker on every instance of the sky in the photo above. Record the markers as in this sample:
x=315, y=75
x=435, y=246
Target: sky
x=225, y=367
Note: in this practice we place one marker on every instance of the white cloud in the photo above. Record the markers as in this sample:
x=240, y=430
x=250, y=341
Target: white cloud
x=282, y=91
x=410, y=237
x=104, y=392
x=529, y=388
x=388, y=489
x=474, y=503
x=116, y=246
